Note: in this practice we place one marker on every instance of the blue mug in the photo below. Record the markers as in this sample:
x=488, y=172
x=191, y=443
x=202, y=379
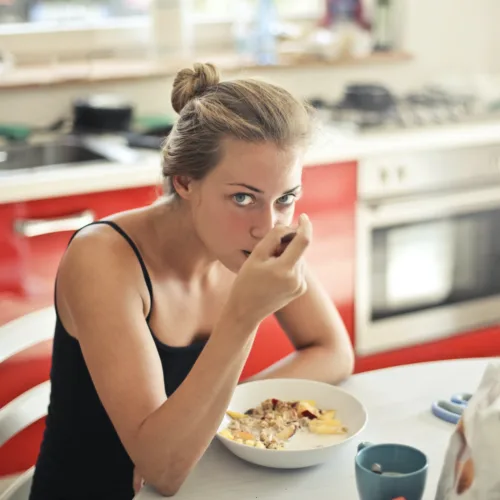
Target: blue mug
x=400, y=471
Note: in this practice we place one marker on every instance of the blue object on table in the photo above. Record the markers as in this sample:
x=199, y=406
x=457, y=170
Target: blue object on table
x=403, y=471
x=451, y=411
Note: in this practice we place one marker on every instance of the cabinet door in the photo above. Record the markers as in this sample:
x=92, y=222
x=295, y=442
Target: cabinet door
x=329, y=198
x=484, y=342
x=45, y=250
x=34, y=235
x=11, y=249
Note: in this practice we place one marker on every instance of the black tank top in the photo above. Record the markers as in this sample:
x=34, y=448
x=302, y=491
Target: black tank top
x=81, y=456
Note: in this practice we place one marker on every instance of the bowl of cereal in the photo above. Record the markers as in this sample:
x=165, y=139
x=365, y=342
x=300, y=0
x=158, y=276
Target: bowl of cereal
x=290, y=423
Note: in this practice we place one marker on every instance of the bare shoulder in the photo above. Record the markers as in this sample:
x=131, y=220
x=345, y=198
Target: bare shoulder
x=98, y=267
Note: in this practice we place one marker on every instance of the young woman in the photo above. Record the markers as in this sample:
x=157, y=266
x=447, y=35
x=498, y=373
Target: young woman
x=157, y=307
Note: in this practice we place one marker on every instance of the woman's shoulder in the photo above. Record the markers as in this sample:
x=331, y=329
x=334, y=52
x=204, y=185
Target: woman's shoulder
x=103, y=245
x=100, y=265
x=110, y=231
x=99, y=272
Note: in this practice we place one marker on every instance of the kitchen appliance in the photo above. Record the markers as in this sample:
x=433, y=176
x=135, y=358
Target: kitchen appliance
x=373, y=107
x=428, y=246
x=102, y=114
x=365, y=104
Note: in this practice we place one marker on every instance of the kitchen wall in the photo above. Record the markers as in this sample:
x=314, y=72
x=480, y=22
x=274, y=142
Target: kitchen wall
x=447, y=38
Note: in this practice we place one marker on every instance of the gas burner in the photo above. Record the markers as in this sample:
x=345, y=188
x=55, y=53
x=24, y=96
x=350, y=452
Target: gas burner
x=373, y=106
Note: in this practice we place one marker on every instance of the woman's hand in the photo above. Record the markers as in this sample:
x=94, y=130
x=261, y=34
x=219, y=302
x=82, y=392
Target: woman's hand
x=138, y=481
x=268, y=281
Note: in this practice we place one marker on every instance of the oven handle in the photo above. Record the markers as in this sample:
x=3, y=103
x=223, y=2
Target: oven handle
x=382, y=214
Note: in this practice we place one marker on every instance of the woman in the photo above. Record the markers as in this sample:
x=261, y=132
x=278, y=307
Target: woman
x=157, y=307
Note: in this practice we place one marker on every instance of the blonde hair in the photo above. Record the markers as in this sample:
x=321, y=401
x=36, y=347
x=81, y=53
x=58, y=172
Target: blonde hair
x=210, y=110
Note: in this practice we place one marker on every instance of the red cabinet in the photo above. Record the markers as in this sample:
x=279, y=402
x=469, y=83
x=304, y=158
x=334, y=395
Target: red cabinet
x=480, y=343
x=33, y=239
x=329, y=199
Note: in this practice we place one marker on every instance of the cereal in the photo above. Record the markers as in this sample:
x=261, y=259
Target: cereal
x=274, y=422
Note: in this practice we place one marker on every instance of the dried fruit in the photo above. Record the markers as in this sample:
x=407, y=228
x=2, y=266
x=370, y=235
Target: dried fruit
x=226, y=433
x=326, y=427
x=243, y=435
x=286, y=433
x=327, y=414
x=305, y=409
x=308, y=414
x=235, y=414
x=331, y=423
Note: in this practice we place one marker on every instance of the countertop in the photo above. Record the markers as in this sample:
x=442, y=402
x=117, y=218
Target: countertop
x=330, y=145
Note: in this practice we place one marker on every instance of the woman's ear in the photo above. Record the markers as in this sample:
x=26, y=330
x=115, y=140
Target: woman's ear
x=183, y=186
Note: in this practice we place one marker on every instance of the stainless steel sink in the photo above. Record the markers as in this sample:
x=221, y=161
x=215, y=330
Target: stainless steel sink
x=28, y=156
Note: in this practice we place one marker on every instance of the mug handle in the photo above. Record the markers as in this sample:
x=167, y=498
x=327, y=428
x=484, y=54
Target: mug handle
x=363, y=445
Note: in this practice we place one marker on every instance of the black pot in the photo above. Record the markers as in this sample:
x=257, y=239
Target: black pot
x=102, y=114
x=368, y=97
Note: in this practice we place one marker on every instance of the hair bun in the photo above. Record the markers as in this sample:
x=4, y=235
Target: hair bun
x=190, y=83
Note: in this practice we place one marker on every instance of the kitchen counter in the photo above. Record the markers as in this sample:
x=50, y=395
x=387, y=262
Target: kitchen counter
x=330, y=145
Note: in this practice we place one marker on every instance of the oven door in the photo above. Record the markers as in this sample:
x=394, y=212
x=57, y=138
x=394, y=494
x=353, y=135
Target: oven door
x=427, y=268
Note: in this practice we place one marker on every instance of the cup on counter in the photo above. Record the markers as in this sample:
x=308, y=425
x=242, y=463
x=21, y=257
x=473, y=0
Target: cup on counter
x=388, y=471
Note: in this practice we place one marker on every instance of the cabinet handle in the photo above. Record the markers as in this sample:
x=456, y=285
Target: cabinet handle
x=36, y=227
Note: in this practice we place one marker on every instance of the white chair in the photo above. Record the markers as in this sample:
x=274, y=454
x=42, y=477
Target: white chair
x=31, y=406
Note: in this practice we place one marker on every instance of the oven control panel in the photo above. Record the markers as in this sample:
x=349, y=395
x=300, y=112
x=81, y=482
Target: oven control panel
x=411, y=173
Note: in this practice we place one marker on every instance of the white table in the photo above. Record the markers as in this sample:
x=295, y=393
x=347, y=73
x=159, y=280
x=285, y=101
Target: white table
x=398, y=402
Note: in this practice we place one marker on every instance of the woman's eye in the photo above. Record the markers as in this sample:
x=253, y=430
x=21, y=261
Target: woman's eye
x=286, y=199
x=243, y=199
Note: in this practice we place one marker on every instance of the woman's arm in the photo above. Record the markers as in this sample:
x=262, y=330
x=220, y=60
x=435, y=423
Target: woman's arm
x=324, y=350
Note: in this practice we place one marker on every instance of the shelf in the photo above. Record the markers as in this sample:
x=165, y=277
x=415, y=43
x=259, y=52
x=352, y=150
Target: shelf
x=109, y=70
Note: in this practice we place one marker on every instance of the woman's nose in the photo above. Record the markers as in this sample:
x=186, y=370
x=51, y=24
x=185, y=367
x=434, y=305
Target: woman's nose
x=262, y=223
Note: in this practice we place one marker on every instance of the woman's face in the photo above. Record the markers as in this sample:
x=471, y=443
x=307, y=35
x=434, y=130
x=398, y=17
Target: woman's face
x=253, y=187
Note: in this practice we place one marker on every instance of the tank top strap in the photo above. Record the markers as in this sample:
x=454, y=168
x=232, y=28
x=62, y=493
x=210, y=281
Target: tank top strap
x=135, y=249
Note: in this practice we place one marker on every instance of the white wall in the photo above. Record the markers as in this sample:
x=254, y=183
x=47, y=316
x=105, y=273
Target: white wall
x=446, y=38
x=494, y=34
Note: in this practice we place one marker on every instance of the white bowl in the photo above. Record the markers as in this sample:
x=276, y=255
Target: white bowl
x=304, y=449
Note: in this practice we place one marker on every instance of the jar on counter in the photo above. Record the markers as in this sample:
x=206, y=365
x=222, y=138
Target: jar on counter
x=171, y=29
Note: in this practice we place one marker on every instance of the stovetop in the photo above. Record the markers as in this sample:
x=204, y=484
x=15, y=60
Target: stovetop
x=374, y=107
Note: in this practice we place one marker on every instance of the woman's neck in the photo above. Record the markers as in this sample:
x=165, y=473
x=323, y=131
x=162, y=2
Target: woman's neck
x=176, y=242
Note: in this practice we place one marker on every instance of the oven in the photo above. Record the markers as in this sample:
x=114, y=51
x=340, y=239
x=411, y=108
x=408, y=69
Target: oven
x=428, y=246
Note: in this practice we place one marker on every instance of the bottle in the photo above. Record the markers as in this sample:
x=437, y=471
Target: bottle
x=265, y=37
x=242, y=31
x=382, y=34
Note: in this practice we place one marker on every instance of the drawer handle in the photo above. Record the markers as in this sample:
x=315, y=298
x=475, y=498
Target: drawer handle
x=36, y=227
